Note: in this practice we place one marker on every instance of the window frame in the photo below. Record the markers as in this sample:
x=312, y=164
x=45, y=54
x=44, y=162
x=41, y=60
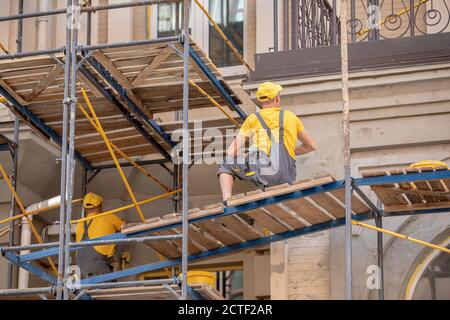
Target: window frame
x=200, y=34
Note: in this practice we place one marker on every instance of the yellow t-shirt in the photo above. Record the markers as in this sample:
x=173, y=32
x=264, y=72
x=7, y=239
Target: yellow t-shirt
x=101, y=227
x=292, y=127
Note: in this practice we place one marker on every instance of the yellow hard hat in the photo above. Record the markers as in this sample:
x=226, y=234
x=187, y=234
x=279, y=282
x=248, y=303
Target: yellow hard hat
x=267, y=91
x=92, y=200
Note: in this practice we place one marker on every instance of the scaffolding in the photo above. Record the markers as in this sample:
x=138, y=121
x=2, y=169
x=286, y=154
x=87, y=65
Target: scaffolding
x=75, y=58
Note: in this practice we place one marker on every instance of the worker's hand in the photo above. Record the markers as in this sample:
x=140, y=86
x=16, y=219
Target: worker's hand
x=125, y=259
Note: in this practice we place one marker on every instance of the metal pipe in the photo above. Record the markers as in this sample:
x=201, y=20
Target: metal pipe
x=25, y=239
x=25, y=235
x=62, y=211
x=186, y=151
x=91, y=243
x=86, y=9
x=89, y=28
x=124, y=284
x=379, y=224
x=129, y=43
x=346, y=150
x=12, y=223
x=88, y=47
x=20, y=29
x=22, y=292
x=70, y=175
x=31, y=53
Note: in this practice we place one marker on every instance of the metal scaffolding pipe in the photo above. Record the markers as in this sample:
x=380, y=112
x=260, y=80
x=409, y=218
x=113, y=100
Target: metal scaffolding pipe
x=31, y=53
x=128, y=43
x=65, y=121
x=186, y=151
x=22, y=292
x=91, y=9
x=12, y=223
x=90, y=243
x=70, y=174
x=88, y=47
x=124, y=284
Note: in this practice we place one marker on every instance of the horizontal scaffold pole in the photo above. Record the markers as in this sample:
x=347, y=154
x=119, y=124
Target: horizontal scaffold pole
x=48, y=52
x=90, y=9
x=90, y=243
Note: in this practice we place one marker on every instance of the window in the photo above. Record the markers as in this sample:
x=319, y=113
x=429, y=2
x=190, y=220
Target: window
x=167, y=19
x=229, y=15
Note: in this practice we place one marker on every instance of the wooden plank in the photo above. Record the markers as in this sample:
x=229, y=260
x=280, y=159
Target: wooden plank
x=413, y=198
x=387, y=198
x=153, y=292
x=45, y=82
x=436, y=185
x=88, y=85
x=156, y=62
x=218, y=231
x=165, y=248
x=285, y=216
x=307, y=211
x=358, y=206
x=417, y=206
x=422, y=185
x=414, y=191
x=192, y=248
x=266, y=221
x=204, y=239
x=14, y=94
x=123, y=81
x=280, y=191
x=239, y=227
x=329, y=204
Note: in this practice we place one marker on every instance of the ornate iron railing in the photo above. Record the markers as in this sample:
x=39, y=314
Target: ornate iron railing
x=315, y=22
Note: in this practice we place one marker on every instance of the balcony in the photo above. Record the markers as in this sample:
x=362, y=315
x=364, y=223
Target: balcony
x=382, y=34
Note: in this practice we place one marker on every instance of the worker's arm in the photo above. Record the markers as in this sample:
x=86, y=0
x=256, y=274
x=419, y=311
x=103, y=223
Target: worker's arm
x=308, y=144
x=235, y=147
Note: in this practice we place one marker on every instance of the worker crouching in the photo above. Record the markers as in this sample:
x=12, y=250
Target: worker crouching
x=96, y=260
x=271, y=159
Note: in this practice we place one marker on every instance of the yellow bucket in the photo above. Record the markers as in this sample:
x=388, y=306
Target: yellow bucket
x=428, y=164
x=201, y=277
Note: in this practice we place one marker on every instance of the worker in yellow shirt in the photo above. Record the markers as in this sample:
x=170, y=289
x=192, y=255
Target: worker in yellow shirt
x=271, y=157
x=96, y=260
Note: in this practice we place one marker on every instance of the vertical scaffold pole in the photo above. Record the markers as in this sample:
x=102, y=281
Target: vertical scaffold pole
x=12, y=224
x=186, y=151
x=62, y=210
x=70, y=175
x=380, y=250
x=15, y=158
x=346, y=127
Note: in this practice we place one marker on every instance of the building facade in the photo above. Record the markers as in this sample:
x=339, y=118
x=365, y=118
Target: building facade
x=400, y=111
